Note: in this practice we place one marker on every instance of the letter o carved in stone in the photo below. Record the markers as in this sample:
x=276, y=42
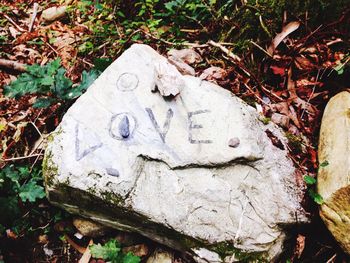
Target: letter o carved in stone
x=127, y=82
x=122, y=126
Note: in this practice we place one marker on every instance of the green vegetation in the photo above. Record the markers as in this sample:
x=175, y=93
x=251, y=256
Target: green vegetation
x=311, y=182
x=113, y=24
x=50, y=80
x=20, y=187
x=111, y=251
x=340, y=68
x=225, y=249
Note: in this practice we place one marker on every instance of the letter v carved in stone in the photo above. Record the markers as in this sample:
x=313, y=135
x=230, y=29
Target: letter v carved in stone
x=85, y=142
x=166, y=125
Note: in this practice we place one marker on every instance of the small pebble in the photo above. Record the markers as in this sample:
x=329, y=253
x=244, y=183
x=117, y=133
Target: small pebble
x=234, y=142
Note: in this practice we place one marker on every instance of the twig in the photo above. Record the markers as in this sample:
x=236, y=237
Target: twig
x=21, y=158
x=332, y=258
x=271, y=93
x=36, y=128
x=196, y=45
x=157, y=38
x=35, y=12
x=87, y=254
x=312, y=93
x=13, y=65
x=225, y=50
x=264, y=26
x=54, y=50
x=13, y=23
x=87, y=63
x=259, y=47
x=254, y=93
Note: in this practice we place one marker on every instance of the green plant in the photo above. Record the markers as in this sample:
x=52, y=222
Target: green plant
x=111, y=251
x=49, y=80
x=311, y=182
x=18, y=187
x=340, y=68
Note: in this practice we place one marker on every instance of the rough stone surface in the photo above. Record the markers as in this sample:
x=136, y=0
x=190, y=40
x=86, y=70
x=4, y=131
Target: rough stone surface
x=334, y=179
x=130, y=158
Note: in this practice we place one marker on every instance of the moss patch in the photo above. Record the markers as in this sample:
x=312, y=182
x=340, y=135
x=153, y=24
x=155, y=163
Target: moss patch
x=224, y=249
x=50, y=170
x=113, y=198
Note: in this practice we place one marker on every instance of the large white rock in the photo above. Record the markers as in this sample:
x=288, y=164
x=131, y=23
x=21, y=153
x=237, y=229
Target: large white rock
x=333, y=182
x=196, y=171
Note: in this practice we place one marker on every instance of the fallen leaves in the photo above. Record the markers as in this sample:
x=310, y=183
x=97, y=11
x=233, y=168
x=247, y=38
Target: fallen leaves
x=288, y=29
x=214, y=73
x=182, y=59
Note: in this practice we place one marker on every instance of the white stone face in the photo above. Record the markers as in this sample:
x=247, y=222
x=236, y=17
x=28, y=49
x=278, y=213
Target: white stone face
x=199, y=163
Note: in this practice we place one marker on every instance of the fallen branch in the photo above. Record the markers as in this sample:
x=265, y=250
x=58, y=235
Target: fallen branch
x=9, y=64
x=21, y=158
x=224, y=49
x=13, y=23
x=87, y=254
x=35, y=12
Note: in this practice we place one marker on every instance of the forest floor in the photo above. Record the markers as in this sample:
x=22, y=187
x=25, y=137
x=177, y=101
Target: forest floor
x=287, y=71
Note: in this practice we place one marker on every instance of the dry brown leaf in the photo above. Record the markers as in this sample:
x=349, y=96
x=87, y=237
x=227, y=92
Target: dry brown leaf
x=291, y=86
x=14, y=32
x=299, y=248
x=138, y=250
x=11, y=234
x=19, y=130
x=213, y=73
x=280, y=119
x=303, y=63
x=182, y=66
x=289, y=28
x=21, y=52
x=188, y=56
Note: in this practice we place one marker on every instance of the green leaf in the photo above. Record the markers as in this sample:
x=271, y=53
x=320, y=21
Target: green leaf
x=23, y=171
x=108, y=251
x=309, y=180
x=324, y=164
x=38, y=79
x=316, y=197
x=43, y=102
x=31, y=191
x=62, y=84
x=87, y=79
x=131, y=258
x=339, y=69
x=102, y=63
x=53, y=66
x=24, y=84
x=11, y=174
x=46, y=81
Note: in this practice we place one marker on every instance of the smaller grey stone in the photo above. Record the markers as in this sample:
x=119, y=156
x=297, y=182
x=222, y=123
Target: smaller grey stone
x=160, y=256
x=234, y=142
x=112, y=172
x=89, y=228
x=124, y=125
x=53, y=13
